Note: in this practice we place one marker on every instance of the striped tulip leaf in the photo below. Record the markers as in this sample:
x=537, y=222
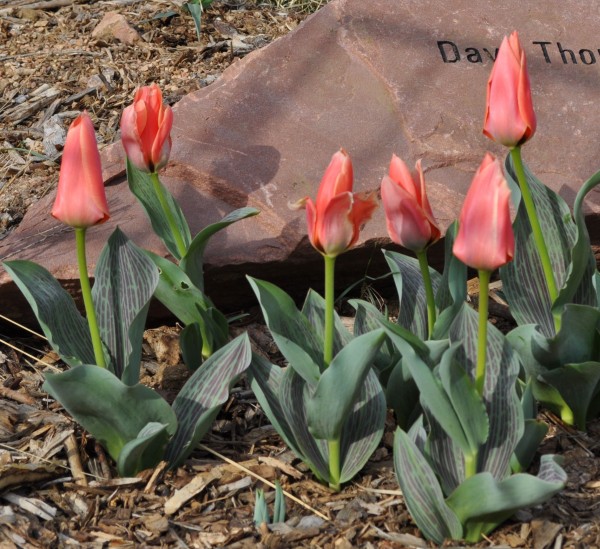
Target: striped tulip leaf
x=503, y=497
x=116, y=414
x=193, y=261
x=340, y=384
x=422, y=492
x=142, y=186
x=524, y=285
x=125, y=280
x=203, y=394
x=293, y=333
x=411, y=291
x=67, y=331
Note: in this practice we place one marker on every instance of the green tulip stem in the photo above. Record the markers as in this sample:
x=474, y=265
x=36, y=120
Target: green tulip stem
x=168, y=214
x=86, y=292
x=334, y=445
x=484, y=285
x=424, y=265
x=329, y=309
x=470, y=465
x=536, y=228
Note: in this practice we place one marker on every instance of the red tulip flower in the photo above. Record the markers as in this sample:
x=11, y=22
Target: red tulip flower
x=146, y=130
x=80, y=199
x=334, y=222
x=509, y=116
x=485, y=239
x=408, y=215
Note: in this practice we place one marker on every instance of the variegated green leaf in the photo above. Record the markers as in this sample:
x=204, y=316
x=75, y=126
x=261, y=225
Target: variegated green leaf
x=363, y=428
x=144, y=451
x=112, y=412
x=193, y=261
x=422, y=492
x=125, y=280
x=524, y=285
x=294, y=335
x=67, y=331
x=340, y=384
x=204, y=393
x=479, y=515
x=314, y=310
x=142, y=186
x=411, y=291
x=501, y=401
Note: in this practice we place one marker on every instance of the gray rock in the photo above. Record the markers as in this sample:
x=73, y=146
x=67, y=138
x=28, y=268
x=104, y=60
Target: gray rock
x=381, y=77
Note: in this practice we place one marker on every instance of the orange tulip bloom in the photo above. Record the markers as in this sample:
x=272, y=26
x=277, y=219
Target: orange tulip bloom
x=408, y=214
x=485, y=239
x=146, y=130
x=334, y=222
x=509, y=116
x=80, y=199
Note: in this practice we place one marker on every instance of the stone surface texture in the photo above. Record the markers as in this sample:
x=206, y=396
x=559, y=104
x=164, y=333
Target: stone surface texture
x=366, y=76
x=115, y=27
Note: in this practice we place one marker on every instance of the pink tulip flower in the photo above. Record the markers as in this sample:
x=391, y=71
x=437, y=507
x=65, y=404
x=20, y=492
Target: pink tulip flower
x=334, y=222
x=80, y=199
x=485, y=239
x=408, y=215
x=146, y=130
x=509, y=116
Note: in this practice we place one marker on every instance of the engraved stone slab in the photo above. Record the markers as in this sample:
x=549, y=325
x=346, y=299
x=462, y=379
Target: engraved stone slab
x=381, y=77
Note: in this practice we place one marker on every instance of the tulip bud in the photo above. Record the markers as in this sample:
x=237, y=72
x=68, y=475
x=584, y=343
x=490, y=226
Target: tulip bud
x=334, y=222
x=408, y=214
x=509, y=116
x=146, y=128
x=80, y=199
x=485, y=239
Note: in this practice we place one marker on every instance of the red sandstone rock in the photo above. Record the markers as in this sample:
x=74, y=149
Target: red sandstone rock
x=380, y=77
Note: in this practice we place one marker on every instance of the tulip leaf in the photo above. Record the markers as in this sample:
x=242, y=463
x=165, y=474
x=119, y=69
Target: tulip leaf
x=193, y=261
x=452, y=289
x=142, y=186
x=402, y=395
x=294, y=335
x=524, y=285
x=367, y=319
x=363, y=429
x=112, y=412
x=67, y=331
x=503, y=497
x=202, y=396
x=422, y=492
x=314, y=310
x=265, y=380
x=144, y=451
x=340, y=385
x=563, y=370
x=294, y=394
x=125, y=280
x=500, y=397
x=411, y=291
x=582, y=268
x=190, y=343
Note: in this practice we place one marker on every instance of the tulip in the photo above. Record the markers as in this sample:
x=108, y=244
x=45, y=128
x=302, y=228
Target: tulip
x=80, y=199
x=485, y=239
x=334, y=222
x=146, y=128
x=509, y=116
x=408, y=215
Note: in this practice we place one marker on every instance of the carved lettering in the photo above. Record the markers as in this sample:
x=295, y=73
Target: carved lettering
x=443, y=46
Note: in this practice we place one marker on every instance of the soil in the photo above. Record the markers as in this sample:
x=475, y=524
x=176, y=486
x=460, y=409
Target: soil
x=57, y=486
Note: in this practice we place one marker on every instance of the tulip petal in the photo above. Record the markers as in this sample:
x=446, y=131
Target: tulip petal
x=337, y=179
x=335, y=230
x=485, y=238
x=407, y=223
x=80, y=198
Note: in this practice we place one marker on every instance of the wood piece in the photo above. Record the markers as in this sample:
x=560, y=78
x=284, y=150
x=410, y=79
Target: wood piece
x=75, y=460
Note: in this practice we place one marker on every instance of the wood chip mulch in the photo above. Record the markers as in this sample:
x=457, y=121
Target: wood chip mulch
x=57, y=486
